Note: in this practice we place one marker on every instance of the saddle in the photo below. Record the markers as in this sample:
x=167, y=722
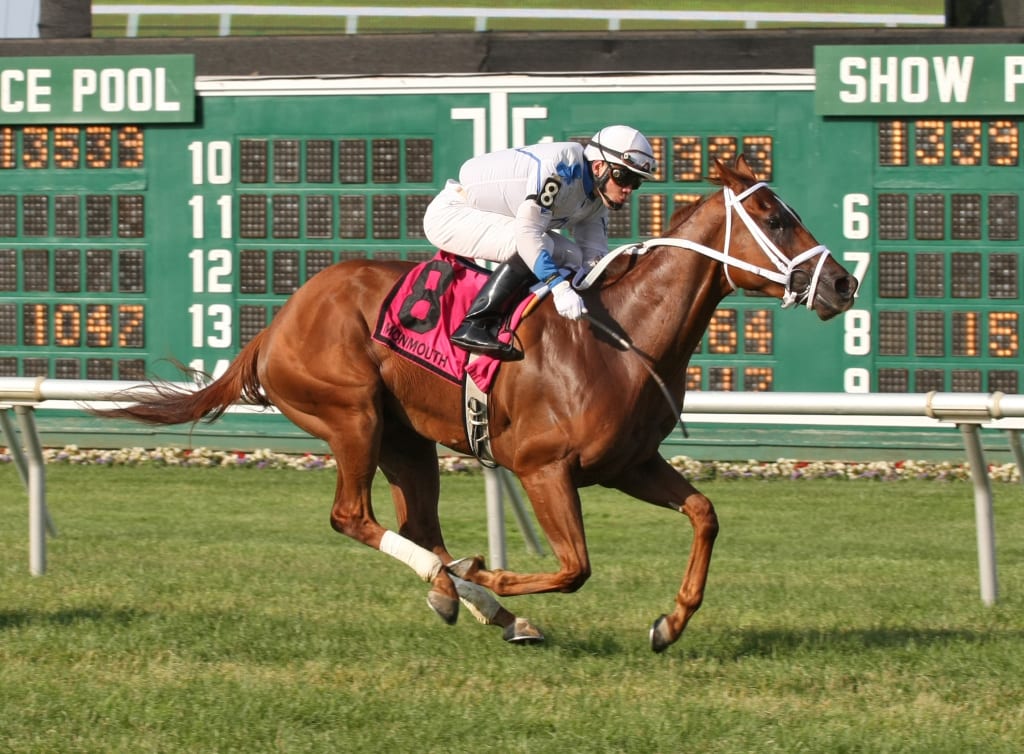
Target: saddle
x=417, y=319
x=430, y=301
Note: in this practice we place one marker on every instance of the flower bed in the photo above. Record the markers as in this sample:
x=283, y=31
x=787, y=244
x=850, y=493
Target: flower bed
x=691, y=468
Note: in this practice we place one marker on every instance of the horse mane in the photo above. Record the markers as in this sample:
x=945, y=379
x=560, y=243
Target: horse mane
x=682, y=214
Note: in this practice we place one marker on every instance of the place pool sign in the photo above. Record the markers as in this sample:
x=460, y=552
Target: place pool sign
x=919, y=80
x=101, y=89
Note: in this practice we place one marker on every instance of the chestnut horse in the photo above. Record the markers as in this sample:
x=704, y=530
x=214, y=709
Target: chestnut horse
x=580, y=409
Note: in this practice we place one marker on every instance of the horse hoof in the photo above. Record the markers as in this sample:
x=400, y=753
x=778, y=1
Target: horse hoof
x=521, y=631
x=446, y=607
x=661, y=638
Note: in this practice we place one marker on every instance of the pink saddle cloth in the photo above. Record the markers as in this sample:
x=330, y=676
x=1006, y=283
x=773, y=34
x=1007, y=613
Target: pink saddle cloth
x=426, y=305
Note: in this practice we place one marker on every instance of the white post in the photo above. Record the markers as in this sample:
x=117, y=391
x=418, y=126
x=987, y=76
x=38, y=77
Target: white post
x=519, y=509
x=982, y=514
x=37, y=514
x=18, y=456
x=12, y=442
x=495, y=519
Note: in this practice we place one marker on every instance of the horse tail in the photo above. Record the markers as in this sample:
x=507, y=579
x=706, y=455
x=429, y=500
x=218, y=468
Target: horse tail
x=164, y=403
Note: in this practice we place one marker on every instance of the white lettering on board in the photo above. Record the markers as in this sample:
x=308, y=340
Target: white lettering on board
x=1013, y=76
x=849, y=76
x=25, y=91
x=914, y=80
x=83, y=84
x=886, y=79
x=953, y=77
x=115, y=90
x=911, y=79
x=163, y=104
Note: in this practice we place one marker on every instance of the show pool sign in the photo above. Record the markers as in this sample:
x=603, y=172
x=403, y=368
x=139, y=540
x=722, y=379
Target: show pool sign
x=919, y=80
x=102, y=89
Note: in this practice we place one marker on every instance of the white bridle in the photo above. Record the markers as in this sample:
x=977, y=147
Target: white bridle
x=784, y=267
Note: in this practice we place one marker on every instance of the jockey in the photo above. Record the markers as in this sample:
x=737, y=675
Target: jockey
x=520, y=206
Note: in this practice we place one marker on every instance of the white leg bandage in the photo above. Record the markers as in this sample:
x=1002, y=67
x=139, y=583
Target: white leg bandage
x=426, y=564
x=477, y=600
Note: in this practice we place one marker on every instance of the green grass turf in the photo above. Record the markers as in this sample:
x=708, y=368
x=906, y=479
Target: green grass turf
x=214, y=610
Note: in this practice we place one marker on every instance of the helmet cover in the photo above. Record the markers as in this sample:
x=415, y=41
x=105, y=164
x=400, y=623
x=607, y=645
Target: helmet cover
x=625, y=146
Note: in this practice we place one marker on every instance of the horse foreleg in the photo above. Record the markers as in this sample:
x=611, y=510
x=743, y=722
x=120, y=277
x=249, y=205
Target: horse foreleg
x=656, y=482
x=556, y=504
x=490, y=612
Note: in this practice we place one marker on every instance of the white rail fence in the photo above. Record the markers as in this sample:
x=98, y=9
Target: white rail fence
x=481, y=16
x=969, y=412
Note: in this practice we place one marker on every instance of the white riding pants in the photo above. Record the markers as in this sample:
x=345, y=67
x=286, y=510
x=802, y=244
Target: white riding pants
x=451, y=223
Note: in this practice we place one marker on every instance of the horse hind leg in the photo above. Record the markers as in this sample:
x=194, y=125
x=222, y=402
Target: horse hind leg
x=342, y=402
x=410, y=464
x=352, y=515
x=353, y=430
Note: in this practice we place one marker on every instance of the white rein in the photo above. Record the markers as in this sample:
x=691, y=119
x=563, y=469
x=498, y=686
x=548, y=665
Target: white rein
x=783, y=274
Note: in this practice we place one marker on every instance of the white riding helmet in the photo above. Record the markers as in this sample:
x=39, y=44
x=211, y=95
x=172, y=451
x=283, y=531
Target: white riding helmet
x=622, y=145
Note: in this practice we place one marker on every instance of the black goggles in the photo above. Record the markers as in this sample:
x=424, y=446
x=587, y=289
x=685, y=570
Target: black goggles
x=626, y=178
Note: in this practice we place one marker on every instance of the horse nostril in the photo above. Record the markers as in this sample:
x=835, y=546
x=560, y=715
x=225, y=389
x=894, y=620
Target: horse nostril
x=846, y=287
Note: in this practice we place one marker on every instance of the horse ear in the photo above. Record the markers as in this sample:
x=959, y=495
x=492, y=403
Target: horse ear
x=724, y=171
x=738, y=172
x=744, y=169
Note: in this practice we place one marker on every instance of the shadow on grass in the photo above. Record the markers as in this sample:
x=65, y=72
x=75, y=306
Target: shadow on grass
x=66, y=617
x=220, y=634
x=736, y=645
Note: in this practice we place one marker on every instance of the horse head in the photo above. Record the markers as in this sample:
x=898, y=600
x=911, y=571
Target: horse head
x=764, y=246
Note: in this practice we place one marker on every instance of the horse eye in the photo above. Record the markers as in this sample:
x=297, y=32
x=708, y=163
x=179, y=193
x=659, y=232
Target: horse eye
x=775, y=222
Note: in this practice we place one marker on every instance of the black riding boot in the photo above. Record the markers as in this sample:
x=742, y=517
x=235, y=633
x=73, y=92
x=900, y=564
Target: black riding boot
x=479, y=330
